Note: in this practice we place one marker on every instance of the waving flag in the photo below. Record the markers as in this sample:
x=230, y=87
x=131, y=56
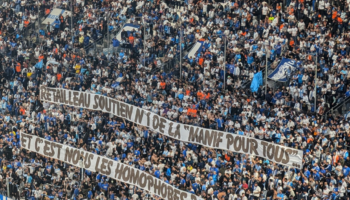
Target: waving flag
x=282, y=70
x=257, y=81
x=39, y=65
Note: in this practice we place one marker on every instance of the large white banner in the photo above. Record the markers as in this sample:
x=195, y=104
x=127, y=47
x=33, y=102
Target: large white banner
x=186, y=133
x=105, y=166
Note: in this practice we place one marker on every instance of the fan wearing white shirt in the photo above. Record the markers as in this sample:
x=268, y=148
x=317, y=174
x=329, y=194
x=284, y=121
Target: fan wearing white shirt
x=265, y=10
x=256, y=191
x=321, y=7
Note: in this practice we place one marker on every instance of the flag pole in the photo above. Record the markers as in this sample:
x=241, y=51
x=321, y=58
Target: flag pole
x=265, y=69
x=224, y=62
x=315, y=83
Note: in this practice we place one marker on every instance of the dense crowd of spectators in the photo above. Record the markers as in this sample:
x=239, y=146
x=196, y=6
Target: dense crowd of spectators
x=207, y=90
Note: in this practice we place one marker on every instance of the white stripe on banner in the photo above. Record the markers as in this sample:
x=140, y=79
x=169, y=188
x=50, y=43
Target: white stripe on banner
x=186, y=133
x=193, y=52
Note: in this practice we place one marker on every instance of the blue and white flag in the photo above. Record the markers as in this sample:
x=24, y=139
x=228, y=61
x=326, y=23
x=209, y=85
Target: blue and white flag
x=194, y=50
x=285, y=67
x=128, y=28
x=256, y=82
x=4, y=197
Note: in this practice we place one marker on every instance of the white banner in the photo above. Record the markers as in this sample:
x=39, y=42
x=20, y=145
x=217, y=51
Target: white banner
x=54, y=14
x=105, y=166
x=186, y=133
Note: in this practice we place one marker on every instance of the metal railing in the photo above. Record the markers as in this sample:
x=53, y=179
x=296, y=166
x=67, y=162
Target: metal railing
x=99, y=44
x=339, y=109
x=246, y=82
x=106, y=40
x=23, y=34
x=171, y=63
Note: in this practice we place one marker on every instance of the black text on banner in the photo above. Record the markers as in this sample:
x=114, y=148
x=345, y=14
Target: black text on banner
x=186, y=133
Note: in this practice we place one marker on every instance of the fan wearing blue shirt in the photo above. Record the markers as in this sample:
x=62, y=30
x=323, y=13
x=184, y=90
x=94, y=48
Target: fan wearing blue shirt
x=157, y=173
x=300, y=78
x=137, y=152
x=277, y=137
x=48, y=166
x=130, y=143
x=195, y=186
x=76, y=192
x=121, y=54
x=29, y=179
x=231, y=67
x=278, y=48
x=57, y=24
x=280, y=195
x=105, y=186
x=317, y=175
x=237, y=169
x=90, y=194
x=182, y=181
x=346, y=170
x=250, y=59
x=307, y=173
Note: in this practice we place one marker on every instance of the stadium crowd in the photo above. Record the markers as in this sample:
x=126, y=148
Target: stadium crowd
x=207, y=90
